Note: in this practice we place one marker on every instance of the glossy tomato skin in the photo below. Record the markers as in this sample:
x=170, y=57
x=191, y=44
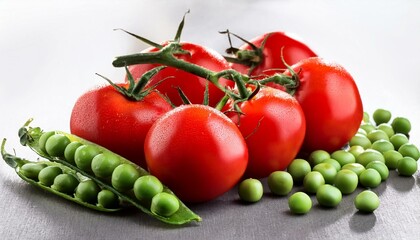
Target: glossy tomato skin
x=106, y=117
x=273, y=125
x=294, y=50
x=192, y=85
x=197, y=152
x=331, y=102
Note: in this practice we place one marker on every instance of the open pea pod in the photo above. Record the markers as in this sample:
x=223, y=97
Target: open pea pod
x=32, y=172
x=63, y=152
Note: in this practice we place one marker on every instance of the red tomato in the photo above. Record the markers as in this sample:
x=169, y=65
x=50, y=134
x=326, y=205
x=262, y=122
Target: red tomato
x=197, y=152
x=192, y=85
x=331, y=102
x=106, y=117
x=271, y=60
x=273, y=126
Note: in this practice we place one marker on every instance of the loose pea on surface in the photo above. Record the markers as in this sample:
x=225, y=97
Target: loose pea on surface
x=355, y=167
x=84, y=155
x=318, y=156
x=164, y=204
x=250, y=190
x=387, y=128
x=300, y=203
x=327, y=170
x=334, y=163
x=409, y=150
x=401, y=125
x=70, y=151
x=346, y=181
x=56, y=144
x=376, y=135
x=104, y=164
x=381, y=116
x=124, y=177
x=370, y=178
x=380, y=167
x=328, y=196
x=280, y=182
x=313, y=181
x=356, y=150
x=368, y=127
x=298, y=168
x=31, y=170
x=366, y=201
x=107, y=199
x=368, y=156
x=398, y=140
x=391, y=159
x=407, y=166
x=360, y=140
x=343, y=157
x=382, y=146
x=146, y=187
x=47, y=175
x=65, y=183
x=87, y=191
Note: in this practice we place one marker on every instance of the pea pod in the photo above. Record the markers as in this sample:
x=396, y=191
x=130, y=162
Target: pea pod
x=30, y=171
x=83, y=162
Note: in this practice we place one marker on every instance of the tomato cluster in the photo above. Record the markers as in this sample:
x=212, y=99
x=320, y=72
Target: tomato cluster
x=201, y=123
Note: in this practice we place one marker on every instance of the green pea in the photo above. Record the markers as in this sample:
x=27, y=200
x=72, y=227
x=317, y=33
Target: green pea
x=346, y=181
x=401, y=125
x=250, y=190
x=398, y=140
x=43, y=139
x=368, y=156
x=366, y=117
x=328, y=196
x=333, y=162
x=31, y=170
x=356, y=151
x=355, y=167
x=146, y=187
x=84, y=155
x=104, y=164
x=313, y=181
x=56, y=145
x=124, y=177
x=366, y=201
x=376, y=135
x=344, y=157
x=65, y=183
x=164, y=204
x=368, y=127
x=327, y=170
x=318, y=156
x=409, y=150
x=280, y=182
x=47, y=175
x=387, y=128
x=381, y=116
x=298, y=168
x=70, y=151
x=391, y=159
x=300, y=203
x=381, y=168
x=360, y=140
x=407, y=166
x=361, y=131
x=370, y=178
x=107, y=199
x=88, y=191
x=382, y=146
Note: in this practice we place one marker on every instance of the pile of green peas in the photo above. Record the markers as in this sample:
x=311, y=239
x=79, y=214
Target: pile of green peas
x=378, y=147
x=125, y=177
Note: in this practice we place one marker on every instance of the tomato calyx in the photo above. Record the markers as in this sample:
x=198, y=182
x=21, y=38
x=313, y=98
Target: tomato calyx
x=136, y=90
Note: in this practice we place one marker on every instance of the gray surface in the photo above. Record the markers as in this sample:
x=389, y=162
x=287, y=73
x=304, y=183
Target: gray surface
x=49, y=52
